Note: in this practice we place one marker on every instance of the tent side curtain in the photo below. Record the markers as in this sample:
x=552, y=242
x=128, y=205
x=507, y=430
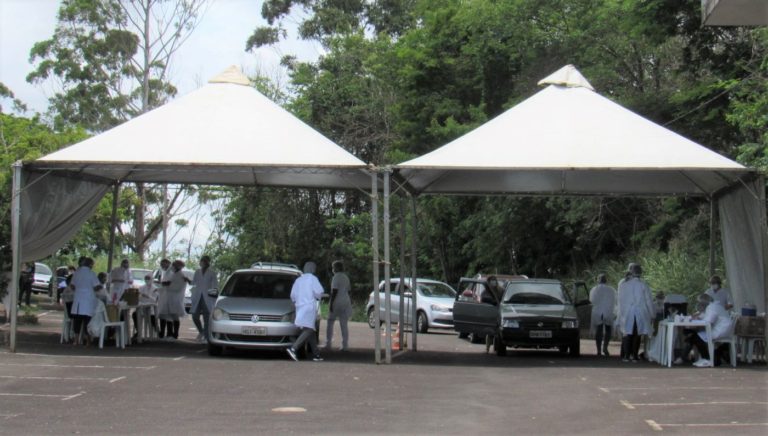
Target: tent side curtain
x=53, y=209
x=742, y=224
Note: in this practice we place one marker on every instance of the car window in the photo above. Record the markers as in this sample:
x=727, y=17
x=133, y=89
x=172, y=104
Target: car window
x=41, y=268
x=138, y=274
x=438, y=290
x=535, y=293
x=393, y=288
x=259, y=285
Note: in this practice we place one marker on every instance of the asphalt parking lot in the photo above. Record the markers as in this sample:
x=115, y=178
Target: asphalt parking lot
x=448, y=387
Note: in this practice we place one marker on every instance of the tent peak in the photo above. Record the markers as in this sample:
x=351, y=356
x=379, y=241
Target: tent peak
x=232, y=74
x=567, y=76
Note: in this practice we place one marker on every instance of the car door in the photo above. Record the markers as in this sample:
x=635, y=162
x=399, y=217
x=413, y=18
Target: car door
x=470, y=315
x=580, y=296
x=395, y=299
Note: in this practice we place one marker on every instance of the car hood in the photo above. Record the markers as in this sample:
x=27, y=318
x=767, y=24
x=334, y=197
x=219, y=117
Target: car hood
x=538, y=310
x=261, y=306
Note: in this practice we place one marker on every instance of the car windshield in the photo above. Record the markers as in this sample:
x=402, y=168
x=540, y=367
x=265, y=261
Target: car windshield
x=138, y=274
x=437, y=290
x=259, y=285
x=535, y=293
x=41, y=268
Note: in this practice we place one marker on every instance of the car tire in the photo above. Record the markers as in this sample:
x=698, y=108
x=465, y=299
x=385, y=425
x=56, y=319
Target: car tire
x=499, y=346
x=215, y=350
x=463, y=335
x=476, y=338
x=422, y=323
x=371, y=320
x=563, y=349
x=574, y=350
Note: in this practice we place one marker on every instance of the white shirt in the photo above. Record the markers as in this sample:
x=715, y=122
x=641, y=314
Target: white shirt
x=603, y=298
x=148, y=293
x=719, y=319
x=722, y=295
x=119, y=280
x=203, y=282
x=305, y=293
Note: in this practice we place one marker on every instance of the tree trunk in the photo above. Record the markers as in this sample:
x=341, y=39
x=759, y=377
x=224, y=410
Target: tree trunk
x=138, y=219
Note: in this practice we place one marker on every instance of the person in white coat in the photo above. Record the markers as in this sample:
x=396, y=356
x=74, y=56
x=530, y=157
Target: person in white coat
x=202, y=304
x=85, y=283
x=120, y=279
x=718, y=293
x=603, y=299
x=636, y=313
x=721, y=326
x=305, y=294
x=340, y=306
x=170, y=304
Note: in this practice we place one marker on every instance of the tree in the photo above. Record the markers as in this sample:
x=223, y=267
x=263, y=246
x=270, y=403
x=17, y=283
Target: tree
x=111, y=60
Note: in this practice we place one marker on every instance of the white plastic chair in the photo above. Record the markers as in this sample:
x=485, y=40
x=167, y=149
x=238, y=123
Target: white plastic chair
x=730, y=339
x=119, y=327
x=66, y=328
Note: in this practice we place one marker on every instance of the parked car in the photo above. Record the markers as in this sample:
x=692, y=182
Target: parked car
x=138, y=274
x=43, y=280
x=474, y=289
x=434, y=304
x=532, y=313
x=254, y=310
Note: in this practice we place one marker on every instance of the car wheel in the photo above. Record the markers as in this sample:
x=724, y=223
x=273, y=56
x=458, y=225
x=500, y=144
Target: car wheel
x=215, y=350
x=575, y=348
x=563, y=349
x=463, y=335
x=477, y=339
x=499, y=346
x=372, y=318
x=422, y=325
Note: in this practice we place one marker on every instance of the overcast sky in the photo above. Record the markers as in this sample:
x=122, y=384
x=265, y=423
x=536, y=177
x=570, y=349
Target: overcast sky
x=218, y=42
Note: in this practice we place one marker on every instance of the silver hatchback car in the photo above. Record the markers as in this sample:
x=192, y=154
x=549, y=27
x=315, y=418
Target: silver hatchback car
x=254, y=310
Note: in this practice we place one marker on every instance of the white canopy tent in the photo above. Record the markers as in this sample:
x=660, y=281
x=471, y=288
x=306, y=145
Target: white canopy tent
x=569, y=140
x=225, y=133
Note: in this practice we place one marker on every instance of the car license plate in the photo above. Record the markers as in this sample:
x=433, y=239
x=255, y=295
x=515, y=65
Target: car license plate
x=254, y=331
x=540, y=334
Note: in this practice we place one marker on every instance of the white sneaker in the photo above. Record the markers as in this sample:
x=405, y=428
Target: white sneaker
x=199, y=336
x=678, y=361
x=702, y=363
x=292, y=354
x=202, y=339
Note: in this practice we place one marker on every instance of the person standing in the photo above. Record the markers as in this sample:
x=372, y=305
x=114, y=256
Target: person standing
x=119, y=280
x=340, y=306
x=170, y=305
x=147, y=304
x=202, y=304
x=85, y=283
x=163, y=276
x=305, y=293
x=25, y=283
x=718, y=293
x=636, y=312
x=603, y=299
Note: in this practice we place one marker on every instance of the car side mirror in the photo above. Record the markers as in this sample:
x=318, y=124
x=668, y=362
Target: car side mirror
x=213, y=293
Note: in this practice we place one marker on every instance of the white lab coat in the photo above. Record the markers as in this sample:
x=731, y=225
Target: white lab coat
x=202, y=282
x=148, y=293
x=119, y=280
x=603, y=299
x=305, y=293
x=722, y=295
x=98, y=319
x=84, y=281
x=719, y=318
x=170, y=303
x=636, y=305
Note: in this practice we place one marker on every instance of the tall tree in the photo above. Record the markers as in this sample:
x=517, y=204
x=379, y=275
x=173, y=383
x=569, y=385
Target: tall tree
x=110, y=59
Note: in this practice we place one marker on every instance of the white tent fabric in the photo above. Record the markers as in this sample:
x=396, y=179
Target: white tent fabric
x=225, y=133
x=567, y=139
x=740, y=222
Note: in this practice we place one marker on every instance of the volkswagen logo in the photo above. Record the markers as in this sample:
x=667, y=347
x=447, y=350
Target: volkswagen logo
x=255, y=318
x=540, y=324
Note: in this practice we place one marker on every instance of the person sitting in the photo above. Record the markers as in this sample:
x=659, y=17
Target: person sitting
x=101, y=293
x=718, y=293
x=720, y=321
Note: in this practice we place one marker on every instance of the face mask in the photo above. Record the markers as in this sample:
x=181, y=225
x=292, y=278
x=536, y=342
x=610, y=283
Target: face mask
x=715, y=286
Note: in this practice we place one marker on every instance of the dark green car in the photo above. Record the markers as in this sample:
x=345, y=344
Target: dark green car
x=532, y=313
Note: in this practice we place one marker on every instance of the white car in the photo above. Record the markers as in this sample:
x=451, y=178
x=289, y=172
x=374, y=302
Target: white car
x=434, y=304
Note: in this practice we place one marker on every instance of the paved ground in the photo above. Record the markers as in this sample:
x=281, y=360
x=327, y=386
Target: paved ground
x=448, y=387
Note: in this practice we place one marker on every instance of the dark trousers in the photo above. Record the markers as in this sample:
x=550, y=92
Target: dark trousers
x=172, y=329
x=201, y=309
x=694, y=340
x=80, y=325
x=25, y=292
x=630, y=344
x=307, y=335
x=603, y=336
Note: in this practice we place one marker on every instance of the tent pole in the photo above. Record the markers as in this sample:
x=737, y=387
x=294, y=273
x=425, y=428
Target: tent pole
x=387, y=287
x=403, y=274
x=113, y=225
x=165, y=221
x=414, y=254
x=712, y=242
x=375, y=252
x=16, y=247
x=764, y=243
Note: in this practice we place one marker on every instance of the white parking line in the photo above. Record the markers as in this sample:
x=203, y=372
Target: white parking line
x=72, y=396
x=46, y=365
x=9, y=415
x=58, y=378
x=660, y=427
x=16, y=394
x=83, y=356
x=632, y=406
x=117, y=379
x=689, y=388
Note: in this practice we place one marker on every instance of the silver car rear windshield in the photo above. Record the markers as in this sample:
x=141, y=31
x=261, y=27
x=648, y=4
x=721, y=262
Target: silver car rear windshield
x=437, y=290
x=259, y=285
x=535, y=293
